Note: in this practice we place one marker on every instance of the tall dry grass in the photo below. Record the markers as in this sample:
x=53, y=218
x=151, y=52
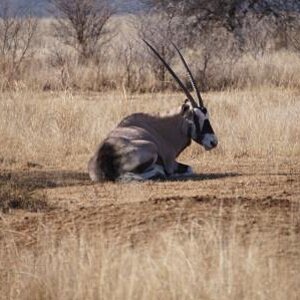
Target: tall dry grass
x=112, y=72
x=63, y=129
x=196, y=262
x=124, y=63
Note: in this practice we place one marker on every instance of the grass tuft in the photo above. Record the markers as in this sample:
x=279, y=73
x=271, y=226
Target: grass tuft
x=14, y=196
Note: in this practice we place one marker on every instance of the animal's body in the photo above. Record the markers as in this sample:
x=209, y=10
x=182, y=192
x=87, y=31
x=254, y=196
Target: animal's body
x=146, y=146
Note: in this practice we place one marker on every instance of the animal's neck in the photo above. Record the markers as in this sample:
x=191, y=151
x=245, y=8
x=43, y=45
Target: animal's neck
x=175, y=131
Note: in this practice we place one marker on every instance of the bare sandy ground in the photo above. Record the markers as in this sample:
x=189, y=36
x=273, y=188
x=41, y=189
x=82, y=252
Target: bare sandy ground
x=252, y=194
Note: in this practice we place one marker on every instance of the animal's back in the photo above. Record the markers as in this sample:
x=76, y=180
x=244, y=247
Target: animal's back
x=141, y=120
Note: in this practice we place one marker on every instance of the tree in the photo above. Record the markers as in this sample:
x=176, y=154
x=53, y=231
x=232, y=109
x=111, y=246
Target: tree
x=232, y=15
x=16, y=38
x=160, y=28
x=83, y=24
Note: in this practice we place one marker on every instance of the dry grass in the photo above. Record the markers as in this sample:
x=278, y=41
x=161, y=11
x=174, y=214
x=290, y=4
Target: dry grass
x=199, y=262
x=14, y=196
x=249, y=252
x=278, y=69
x=56, y=67
x=64, y=128
x=213, y=259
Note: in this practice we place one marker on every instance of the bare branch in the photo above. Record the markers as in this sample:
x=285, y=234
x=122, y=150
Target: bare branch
x=16, y=39
x=83, y=24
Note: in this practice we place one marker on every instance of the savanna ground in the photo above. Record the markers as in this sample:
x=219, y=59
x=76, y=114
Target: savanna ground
x=230, y=232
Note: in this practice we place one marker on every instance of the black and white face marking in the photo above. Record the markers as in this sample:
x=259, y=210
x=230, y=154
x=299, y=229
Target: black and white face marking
x=202, y=132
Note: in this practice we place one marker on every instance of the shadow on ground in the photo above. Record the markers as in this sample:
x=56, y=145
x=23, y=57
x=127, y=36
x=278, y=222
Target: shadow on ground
x=207, y=176
x=38, y=179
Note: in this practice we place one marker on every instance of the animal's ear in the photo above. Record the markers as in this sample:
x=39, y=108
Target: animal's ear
x=186, y=108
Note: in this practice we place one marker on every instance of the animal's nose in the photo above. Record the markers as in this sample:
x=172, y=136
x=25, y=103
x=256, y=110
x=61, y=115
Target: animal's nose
x=214, y=143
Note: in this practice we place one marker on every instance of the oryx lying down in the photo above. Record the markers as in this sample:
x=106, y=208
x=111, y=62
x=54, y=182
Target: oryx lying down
x=144, y=146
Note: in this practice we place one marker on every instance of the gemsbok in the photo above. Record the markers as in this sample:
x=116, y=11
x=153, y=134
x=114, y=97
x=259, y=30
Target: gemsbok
x=144, y=146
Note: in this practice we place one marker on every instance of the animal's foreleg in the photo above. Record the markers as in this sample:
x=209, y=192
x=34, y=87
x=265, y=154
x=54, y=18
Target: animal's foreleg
x=182, y=170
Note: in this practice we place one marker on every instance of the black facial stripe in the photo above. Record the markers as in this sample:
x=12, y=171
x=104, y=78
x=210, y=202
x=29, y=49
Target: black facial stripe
x=207, y=127
x=198, y=129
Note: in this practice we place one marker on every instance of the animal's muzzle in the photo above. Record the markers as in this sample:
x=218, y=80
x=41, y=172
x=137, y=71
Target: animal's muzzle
x=209, y=141
x=214, y=143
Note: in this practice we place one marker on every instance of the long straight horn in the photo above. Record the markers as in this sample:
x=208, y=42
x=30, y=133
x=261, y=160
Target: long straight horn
x=193, y=82
x=183, y=87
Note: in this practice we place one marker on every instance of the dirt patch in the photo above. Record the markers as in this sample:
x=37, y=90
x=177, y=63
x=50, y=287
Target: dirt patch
x=264, y=200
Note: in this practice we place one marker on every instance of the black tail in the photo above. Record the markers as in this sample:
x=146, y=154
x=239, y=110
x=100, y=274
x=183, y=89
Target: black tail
x=108, y=161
